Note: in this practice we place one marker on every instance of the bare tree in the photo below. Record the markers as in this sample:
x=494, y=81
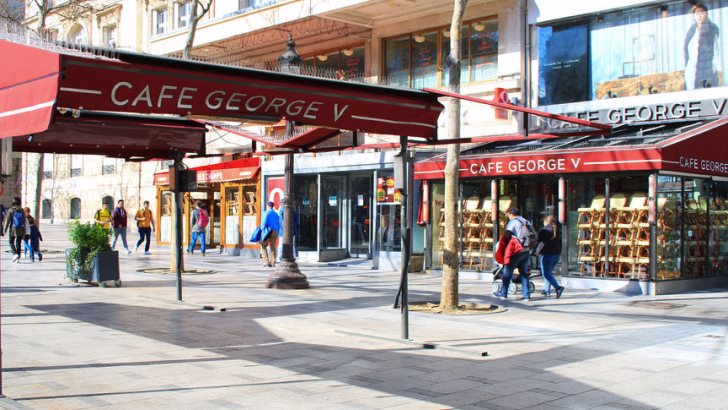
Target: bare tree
x=451, y=247
x=43, y=7
x=195, y=18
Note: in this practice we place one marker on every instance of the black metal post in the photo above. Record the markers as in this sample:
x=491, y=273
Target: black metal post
x=178, y=225
x=288, y=275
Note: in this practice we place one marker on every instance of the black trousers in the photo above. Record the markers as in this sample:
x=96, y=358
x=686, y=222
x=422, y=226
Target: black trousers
x=15, y=244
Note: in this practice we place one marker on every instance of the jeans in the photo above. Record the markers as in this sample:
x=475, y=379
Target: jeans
x=520, y=261
x=193, y=242
x=29, y=248
x=547, y=263
x=120, y=231
x=144, y=233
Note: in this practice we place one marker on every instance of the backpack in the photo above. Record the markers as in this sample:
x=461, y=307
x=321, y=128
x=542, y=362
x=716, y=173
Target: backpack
x=202, y=219
x=19, y=219
x=526, y=235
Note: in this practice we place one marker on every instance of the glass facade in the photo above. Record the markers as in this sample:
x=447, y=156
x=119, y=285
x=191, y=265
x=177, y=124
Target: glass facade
x=647, y=50
x=417, y=59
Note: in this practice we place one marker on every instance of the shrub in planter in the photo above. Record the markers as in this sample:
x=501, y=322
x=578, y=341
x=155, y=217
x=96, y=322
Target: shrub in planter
x=89, y=239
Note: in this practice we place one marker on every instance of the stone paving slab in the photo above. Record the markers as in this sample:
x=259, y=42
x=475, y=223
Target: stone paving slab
x=69, y=346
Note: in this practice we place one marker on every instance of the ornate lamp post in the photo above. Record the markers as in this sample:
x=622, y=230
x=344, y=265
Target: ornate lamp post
x=287, y=274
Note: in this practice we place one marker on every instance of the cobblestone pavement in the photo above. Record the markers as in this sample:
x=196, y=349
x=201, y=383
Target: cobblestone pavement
x=68, y=346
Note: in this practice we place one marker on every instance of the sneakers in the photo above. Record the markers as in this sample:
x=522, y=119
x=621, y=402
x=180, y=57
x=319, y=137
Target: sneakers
x=526, y=299
x=128, y=251
x=16, y=258
x=147, y=253
x=40, y=256
x=559, y=291
x=546, y=294
x=500, y=295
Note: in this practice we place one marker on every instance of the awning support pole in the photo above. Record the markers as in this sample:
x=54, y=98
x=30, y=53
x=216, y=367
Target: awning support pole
x=178, y=200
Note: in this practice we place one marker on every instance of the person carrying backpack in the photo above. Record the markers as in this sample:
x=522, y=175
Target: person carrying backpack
x=145, y=223
x=102, y=217
x=15, y=228
x=200, y=220
x=523, y=232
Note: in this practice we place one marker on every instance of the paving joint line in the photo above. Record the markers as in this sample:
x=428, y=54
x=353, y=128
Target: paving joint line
x=413, y=342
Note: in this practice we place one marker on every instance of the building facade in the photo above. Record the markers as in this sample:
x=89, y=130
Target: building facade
x=396, y=43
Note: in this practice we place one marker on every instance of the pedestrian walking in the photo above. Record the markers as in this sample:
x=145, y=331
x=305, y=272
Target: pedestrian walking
x=15, y=228
x=145, y=223
x=3, y=213
x=510, y=253
x=549, y=253
x=515, y=257
x=102, y=217
x=118, y=222
x=200, y=220
x=33, y=237
x=270, y=226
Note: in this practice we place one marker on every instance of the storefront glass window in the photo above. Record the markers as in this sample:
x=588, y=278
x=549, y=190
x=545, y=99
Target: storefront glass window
x=165, y=219
x=424, y=60
x=586, y=210
x=669, y=220
x=646, y=50
x=719, y=229
x=332, y=195
x=695, y=226
x=232, y=215
x=307, y=208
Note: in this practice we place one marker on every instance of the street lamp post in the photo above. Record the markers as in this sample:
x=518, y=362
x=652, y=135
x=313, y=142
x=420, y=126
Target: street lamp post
x=287, y=275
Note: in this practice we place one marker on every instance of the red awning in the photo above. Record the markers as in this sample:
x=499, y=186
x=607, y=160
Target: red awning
x=34, y=82
x=121, y=136
x=699, y=151
x=236, y=170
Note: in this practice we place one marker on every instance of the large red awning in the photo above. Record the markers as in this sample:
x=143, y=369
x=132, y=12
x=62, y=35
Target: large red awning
x=34, y=82
x=117, y=136
x=699, y=151
x=235, y=170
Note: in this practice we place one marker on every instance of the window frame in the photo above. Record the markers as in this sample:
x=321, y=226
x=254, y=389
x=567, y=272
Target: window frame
x=157, y=27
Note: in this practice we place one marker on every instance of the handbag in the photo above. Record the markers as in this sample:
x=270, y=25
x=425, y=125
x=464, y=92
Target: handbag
x=255, y=237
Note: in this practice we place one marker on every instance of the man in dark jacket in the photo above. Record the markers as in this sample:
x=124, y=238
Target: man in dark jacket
x=118, y=222
x=15, y=228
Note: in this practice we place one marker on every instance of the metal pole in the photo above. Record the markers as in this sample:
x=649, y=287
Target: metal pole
x=562, y=212
x=652, y=217
x=288, y=275
x=178, y=226
x=404, y=227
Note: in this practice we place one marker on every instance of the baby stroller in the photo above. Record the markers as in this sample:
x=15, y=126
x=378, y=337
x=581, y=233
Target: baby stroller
x=514, y=286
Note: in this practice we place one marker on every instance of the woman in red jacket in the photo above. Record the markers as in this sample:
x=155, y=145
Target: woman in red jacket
x=509, y=254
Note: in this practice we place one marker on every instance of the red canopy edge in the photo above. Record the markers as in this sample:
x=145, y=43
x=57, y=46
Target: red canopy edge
x=240, y=169
x=539, y=113
x=29, y=79
x=113, y=135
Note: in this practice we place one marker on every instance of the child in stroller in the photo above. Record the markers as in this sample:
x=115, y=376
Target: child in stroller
x=513, y=287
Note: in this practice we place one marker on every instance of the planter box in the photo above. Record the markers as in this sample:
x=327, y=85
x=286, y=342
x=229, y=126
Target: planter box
x=105, y=267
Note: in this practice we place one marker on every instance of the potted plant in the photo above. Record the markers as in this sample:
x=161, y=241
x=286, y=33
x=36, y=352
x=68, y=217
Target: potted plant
x=92, y=259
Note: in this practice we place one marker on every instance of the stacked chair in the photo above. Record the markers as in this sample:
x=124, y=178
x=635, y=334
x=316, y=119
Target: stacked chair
x=589, y=235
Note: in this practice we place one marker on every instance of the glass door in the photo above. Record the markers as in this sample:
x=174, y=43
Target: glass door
x=332, y=198
x=360, y=199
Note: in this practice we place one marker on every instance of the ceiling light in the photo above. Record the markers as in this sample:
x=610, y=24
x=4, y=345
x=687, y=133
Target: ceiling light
x=419, y=38
x=479, y=26
x=322, y=57
x=348, y=52
x=446, y=33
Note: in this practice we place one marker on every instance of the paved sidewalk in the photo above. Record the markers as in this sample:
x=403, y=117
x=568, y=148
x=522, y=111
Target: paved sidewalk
x=70, y=347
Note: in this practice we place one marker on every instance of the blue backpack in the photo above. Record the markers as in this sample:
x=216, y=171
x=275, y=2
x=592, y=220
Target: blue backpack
x=19, y=219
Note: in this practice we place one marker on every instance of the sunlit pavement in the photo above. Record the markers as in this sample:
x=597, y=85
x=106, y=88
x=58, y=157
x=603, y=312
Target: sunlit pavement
x=69, y=346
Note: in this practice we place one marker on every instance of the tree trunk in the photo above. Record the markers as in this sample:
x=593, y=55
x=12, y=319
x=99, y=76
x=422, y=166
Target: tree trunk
x=194, y=20
x=451, y=247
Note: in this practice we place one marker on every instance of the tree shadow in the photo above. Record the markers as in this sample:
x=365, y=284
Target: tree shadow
x=394, y=371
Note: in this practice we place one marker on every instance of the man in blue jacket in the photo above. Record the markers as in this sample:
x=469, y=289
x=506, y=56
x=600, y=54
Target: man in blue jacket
x=270, y=225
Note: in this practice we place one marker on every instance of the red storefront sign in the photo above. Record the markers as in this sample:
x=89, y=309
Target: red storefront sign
x=700, y=151
x=224, y=171
x=545, y=163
